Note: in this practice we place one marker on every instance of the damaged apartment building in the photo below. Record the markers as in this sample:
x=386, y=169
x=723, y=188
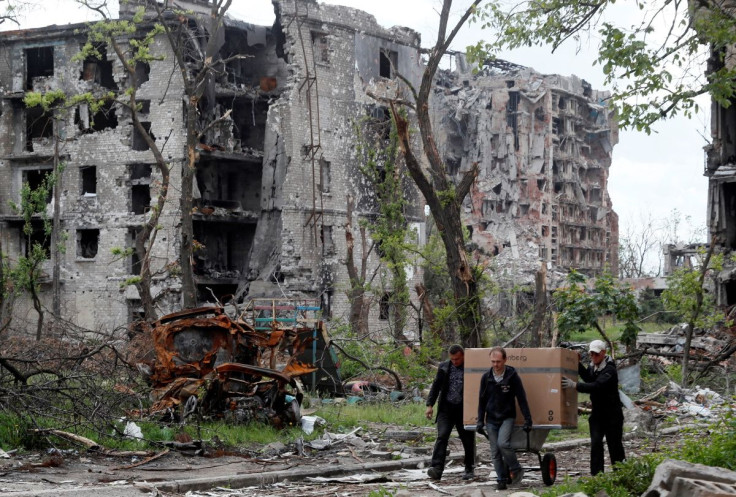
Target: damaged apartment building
x=720, y=169
x=273, y=180
x=272, y=184
x=543, y=145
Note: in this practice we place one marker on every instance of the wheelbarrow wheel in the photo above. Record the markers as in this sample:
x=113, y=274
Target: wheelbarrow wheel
x=549, y=469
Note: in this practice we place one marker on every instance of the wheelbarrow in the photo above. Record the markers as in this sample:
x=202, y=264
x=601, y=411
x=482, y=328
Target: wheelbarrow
x=532, y=441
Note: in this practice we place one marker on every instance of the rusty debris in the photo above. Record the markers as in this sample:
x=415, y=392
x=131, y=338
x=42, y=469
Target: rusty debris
x=242, y=369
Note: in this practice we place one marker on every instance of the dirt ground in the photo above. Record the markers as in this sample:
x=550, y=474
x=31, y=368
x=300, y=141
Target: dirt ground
x=374, y=460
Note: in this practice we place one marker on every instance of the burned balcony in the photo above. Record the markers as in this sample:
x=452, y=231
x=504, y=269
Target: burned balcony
x=229, y=189
x=222, y=251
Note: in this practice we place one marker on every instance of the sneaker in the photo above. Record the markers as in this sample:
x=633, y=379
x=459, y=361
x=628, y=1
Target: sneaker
x=501, y=485
x=517, y=475
x=469, y=475
x=434, y=473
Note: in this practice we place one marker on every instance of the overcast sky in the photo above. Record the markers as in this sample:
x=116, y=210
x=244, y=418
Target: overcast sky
x=650, y=175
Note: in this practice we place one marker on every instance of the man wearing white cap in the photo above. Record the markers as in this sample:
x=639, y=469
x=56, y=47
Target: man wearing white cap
x=607, y=417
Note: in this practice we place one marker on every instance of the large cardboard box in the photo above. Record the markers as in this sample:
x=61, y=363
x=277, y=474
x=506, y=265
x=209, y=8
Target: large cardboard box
x=541, y=372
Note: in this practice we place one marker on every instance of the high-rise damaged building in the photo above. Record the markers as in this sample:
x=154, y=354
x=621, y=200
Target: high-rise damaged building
x=274, y=177
x=543, y=144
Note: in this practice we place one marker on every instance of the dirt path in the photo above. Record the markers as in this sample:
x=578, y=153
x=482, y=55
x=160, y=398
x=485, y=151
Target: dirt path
x=354, y=467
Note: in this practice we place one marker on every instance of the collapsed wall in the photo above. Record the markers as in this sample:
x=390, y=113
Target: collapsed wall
x=543, y=144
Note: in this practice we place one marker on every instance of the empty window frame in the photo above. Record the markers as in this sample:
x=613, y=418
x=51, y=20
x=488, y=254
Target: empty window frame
x=388, y=63
x=97, y=69
x=88, y=181
x=87, y=243
x=327, y=241
x=39, y=63
x=320, y=47
x=134, y=262
x=105, y=117
x=39, y=124
x=36, y=178
x=140, y=187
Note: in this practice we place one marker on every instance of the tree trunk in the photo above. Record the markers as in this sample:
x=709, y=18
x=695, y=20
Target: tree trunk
x=443, y=197
x=540, y=306
x=359, y=306
x=56, y=252
x=696, y=312
x=186, y=255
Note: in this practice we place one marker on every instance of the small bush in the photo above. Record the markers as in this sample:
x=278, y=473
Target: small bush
x=720, y=450
x=631, y=478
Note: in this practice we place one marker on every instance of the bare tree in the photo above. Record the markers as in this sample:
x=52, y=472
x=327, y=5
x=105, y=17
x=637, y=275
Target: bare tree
x=639, y=247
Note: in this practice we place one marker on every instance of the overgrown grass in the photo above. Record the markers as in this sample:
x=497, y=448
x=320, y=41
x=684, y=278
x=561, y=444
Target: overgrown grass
x=348, y=416
x=16, y=432
x=614, y=330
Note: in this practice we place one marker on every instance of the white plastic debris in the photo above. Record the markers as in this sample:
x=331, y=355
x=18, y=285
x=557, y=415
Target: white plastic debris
x=308, y=423
x=696, y=409
x=132, y=430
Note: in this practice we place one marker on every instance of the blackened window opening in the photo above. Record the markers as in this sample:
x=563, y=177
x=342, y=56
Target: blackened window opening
x=388, y=63
x=39, y=63
x=88, y=175
x=105, y=117
x=88, y=243
x=39, y=124
x=142, y=73
x=36, y=179
x=139, y=142
x=99, y=69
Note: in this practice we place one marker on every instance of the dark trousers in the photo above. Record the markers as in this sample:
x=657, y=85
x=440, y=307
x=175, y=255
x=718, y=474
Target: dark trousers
x=447, y=419
x=611, y=427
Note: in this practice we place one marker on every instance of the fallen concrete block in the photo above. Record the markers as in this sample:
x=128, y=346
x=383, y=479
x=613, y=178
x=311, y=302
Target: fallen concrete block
x=671, y=480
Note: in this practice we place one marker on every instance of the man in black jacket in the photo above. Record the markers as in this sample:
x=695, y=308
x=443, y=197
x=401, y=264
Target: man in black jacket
x=448, y=388
x=607, y=416
x=500, y=388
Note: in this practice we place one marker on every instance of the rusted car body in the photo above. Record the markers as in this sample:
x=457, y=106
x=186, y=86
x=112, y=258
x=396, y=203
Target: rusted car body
x=228, y=368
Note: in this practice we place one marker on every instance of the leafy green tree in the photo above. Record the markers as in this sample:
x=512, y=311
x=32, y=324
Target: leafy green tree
x=686, y=297
x=580, y=308
x=655, y=67
x=27, y=272
x=390, y=230
x=443, y=195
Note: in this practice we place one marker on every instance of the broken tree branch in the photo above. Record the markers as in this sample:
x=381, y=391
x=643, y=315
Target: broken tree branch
x=90, y=444
x=368, y=367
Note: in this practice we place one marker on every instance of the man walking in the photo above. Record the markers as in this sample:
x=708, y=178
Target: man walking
x=607, y=416
x=448, y=388
x=500, y=388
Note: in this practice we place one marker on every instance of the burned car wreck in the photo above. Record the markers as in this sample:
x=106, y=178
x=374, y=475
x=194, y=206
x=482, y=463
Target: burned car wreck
x=230, y=368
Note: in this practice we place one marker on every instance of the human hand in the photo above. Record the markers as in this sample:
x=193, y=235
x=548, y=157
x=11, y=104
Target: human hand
x=568, y=383
x=479, y=428
x=527, y=427
x=428, y=412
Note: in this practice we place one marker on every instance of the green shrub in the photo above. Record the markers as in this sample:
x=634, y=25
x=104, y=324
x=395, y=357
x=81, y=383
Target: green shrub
x=720, y=450
x=631, y=478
